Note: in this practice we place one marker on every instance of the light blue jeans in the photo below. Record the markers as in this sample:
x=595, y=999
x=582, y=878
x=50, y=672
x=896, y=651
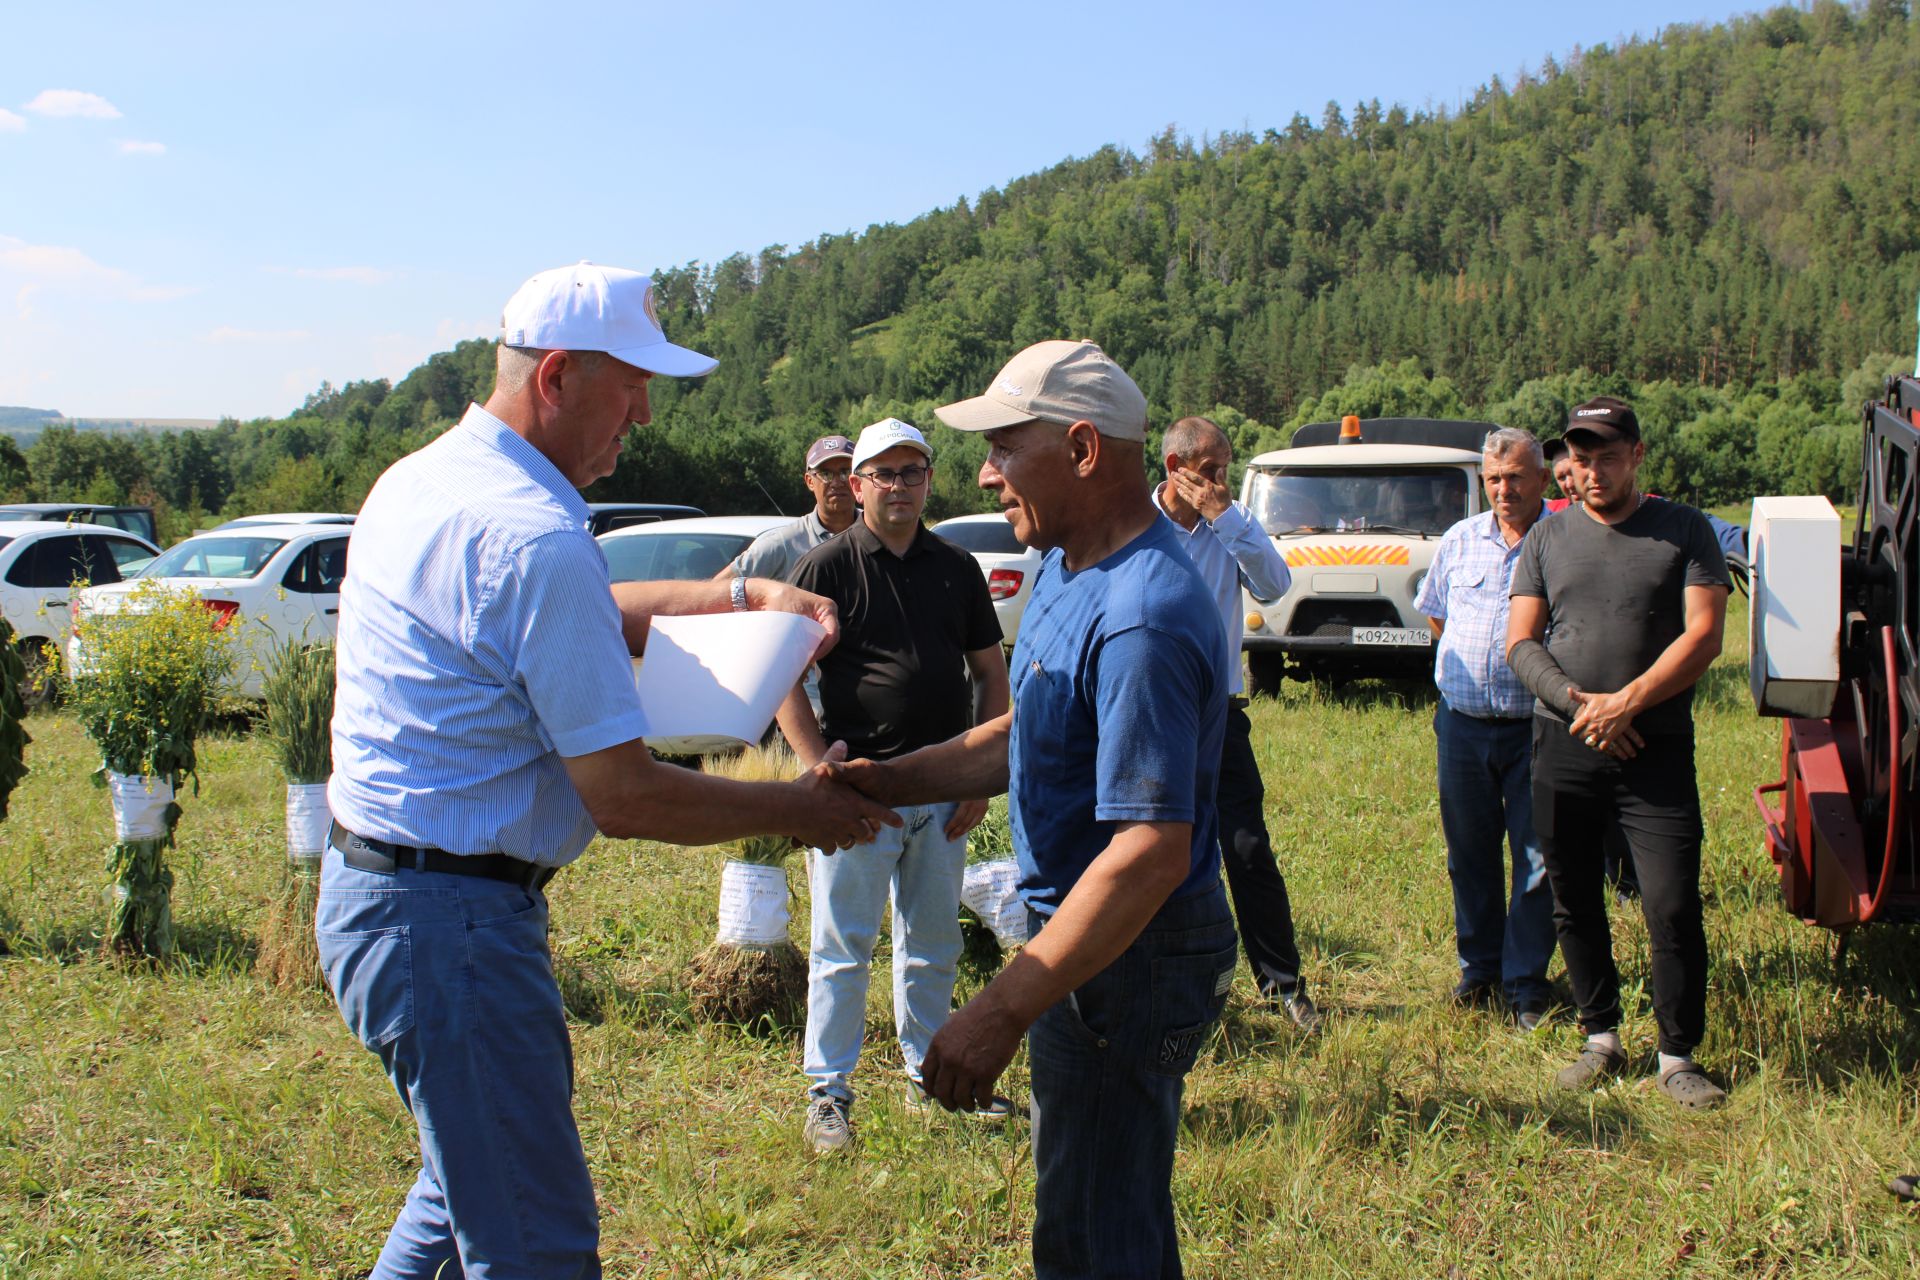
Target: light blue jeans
x=923, y=870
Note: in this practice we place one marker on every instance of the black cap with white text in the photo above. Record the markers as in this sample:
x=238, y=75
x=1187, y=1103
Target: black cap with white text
x=1605, y=419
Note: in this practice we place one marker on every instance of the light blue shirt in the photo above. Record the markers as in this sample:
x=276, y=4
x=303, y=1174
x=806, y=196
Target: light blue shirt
x=1227, y=551
x=478, y=645
x=1466, y=588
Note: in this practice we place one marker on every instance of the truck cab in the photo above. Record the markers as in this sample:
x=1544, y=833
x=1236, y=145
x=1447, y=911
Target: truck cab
x=1356, y=509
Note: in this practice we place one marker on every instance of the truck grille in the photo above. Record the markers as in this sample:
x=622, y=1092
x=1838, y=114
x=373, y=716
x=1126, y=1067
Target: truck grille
x=1338, y=618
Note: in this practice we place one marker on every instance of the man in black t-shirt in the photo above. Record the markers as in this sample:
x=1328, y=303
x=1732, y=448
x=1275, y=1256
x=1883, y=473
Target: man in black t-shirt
x=915, y=620
x=1633, y=592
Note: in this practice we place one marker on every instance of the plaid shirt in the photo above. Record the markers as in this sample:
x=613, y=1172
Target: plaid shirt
x=1467, y=589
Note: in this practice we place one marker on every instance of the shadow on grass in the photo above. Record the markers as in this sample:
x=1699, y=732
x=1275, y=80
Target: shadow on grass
x=205, y=947
x=1367, y=1117
x=1724, y=687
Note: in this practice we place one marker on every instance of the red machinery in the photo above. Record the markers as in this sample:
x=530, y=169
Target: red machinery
x=1842, y=833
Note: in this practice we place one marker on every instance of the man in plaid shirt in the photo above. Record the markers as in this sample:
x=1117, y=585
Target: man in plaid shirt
x=1504, y=934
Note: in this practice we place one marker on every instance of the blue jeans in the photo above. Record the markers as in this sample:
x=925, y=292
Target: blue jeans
x=1108, y=1065
x=1503, y=929
x=447, y=978
x=923, y=870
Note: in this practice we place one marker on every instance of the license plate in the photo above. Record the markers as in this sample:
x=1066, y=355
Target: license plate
x=1417, y=636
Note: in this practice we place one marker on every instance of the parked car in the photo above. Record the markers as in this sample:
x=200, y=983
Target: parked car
x=135, y=520
x=1357, y=510
x=40, y=561
x=274, y=582
x=608, y=516
x=284, y=517
x=1008, y=563
x=681, y=549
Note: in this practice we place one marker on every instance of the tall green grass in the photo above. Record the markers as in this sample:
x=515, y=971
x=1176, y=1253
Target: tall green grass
x=194, y=1123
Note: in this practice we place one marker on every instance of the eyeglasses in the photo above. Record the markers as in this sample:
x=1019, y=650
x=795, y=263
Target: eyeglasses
x=912, y=477
x=825, y=476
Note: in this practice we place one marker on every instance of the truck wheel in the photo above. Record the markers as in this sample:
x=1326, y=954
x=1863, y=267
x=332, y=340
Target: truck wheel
x=1264, y=673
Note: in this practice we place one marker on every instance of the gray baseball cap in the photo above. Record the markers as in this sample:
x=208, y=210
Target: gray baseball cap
x=1056, y=381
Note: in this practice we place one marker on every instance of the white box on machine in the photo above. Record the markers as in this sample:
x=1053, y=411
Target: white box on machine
x=1793, y=641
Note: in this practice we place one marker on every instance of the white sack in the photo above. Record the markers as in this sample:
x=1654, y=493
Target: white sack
x=307, y=821
x=753, y=904
x=139, y=814
x=991, y=891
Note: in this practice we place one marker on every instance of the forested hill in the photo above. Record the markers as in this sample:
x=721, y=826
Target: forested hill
x=1723, y=220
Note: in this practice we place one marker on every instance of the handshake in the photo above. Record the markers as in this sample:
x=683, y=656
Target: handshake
x=842, y=802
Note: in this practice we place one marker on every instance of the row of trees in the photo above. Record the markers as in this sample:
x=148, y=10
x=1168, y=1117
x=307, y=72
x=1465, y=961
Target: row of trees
x=1713, y=221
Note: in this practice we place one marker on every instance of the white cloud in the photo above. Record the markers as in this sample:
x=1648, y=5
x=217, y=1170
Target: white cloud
x=36, y=266
x=347, y=275
x=11, y=123
x=130, y=147
x=227, y=333
x=72, y=103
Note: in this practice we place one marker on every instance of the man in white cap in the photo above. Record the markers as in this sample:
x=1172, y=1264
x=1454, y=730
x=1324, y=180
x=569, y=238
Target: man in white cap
x=915, y=620
x=485, y=726
x=829, y=478
x=1113, y=748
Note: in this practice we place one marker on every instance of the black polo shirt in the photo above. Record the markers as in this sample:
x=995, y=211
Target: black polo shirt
x=897, y=681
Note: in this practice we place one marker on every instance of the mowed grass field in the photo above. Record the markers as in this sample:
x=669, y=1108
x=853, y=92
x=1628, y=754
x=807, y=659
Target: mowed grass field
x=197, y=1123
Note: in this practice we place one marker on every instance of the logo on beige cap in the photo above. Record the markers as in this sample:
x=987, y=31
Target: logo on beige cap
x=1006, y=388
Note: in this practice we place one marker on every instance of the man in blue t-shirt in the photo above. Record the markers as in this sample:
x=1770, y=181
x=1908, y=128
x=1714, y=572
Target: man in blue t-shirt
x=1113, y=747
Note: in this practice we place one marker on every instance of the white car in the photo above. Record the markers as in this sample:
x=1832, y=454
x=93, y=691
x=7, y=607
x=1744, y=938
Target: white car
x=681, y=550
x=283, y=517
x=1008, y=563
x=40, y=560
x=274, y=582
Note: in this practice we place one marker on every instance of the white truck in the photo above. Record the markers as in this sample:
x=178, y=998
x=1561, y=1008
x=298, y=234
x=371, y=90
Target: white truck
x=1356, y=509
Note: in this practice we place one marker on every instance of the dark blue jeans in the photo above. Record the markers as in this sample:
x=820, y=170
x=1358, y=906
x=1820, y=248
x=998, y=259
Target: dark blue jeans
x=1502, y=924
x=447, y=979
x=1108, y=1065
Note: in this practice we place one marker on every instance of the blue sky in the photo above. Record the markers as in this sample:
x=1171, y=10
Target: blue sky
x=208, y=208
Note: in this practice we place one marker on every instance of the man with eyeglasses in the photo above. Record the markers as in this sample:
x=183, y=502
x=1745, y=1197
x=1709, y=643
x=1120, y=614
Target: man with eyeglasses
x=915, y=620
x=829, y=478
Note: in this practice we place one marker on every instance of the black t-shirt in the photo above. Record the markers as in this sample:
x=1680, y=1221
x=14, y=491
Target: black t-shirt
x=1616, y=596
x=897, y=681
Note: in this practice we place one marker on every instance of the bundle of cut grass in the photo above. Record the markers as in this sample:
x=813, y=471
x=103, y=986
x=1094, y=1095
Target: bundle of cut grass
x=298, y=693
x=152, y=669
x=752, y=975
x=13, y=713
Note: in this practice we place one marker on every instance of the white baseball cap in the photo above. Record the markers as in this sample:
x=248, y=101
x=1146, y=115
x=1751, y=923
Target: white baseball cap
x=884, y=435
x=1057, y=381
x=588, y=307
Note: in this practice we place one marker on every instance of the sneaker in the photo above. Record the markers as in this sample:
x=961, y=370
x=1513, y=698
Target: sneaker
x=1688, y=1085
x=994, y=1113
x=1907, y=1186
x=1300, y=1008
x=828, y=1127
x=1593, y=1066
x=1530, y=1018
x=1476, y=995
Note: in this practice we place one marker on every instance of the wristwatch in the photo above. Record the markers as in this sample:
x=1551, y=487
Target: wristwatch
x=739, y=590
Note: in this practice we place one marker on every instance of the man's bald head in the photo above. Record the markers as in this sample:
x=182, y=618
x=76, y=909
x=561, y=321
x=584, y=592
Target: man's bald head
x=1190, y=437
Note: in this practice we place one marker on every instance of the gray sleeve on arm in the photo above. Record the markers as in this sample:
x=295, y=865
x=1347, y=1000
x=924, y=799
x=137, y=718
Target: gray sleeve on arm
x=1540, y=673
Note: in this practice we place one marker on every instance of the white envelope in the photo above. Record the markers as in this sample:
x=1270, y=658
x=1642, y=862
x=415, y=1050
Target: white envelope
x=712, y=681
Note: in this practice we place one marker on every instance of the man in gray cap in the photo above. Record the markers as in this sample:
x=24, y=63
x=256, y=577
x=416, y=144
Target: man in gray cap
x=829, y=477
x=1113, y=748
x=485, y=727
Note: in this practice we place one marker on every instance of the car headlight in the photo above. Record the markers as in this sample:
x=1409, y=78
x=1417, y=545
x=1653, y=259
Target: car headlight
x=1413, y=588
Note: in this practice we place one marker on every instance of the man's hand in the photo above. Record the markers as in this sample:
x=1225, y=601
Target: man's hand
x=1604, y=721
x=1210, y=499
x=966, y=816
x=780, y=597
x=870, y=778
x=840, y=817
x=969, y=1053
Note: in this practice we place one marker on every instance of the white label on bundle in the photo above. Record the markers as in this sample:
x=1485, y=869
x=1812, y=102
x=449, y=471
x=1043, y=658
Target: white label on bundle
x=307, y=821
x=991, y=891
x=139, y=814
x=753, y=904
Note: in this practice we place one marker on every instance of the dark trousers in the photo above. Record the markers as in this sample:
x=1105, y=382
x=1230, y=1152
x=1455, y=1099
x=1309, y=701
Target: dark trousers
x=1260, y=905
x=1576, y=790
x=1108, y=1065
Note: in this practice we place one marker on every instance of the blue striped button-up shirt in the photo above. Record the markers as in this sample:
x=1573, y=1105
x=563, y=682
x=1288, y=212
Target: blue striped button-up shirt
x=1466, y=588
x=479, y=644
x=1227, y=552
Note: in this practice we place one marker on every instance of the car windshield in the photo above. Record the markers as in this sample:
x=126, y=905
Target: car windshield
x=1420, y=500
x=665, y=555
x=980, y=535
x=237, y=556
x=28, y=515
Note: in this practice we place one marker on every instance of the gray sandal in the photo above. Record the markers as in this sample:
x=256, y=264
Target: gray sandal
x=1590, y=1068
x=1688, y=1085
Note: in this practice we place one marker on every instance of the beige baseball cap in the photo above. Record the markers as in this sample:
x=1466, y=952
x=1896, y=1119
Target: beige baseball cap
x=1057, y=381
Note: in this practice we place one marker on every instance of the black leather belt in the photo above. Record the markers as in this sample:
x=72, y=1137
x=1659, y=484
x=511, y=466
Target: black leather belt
x=385, y=859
